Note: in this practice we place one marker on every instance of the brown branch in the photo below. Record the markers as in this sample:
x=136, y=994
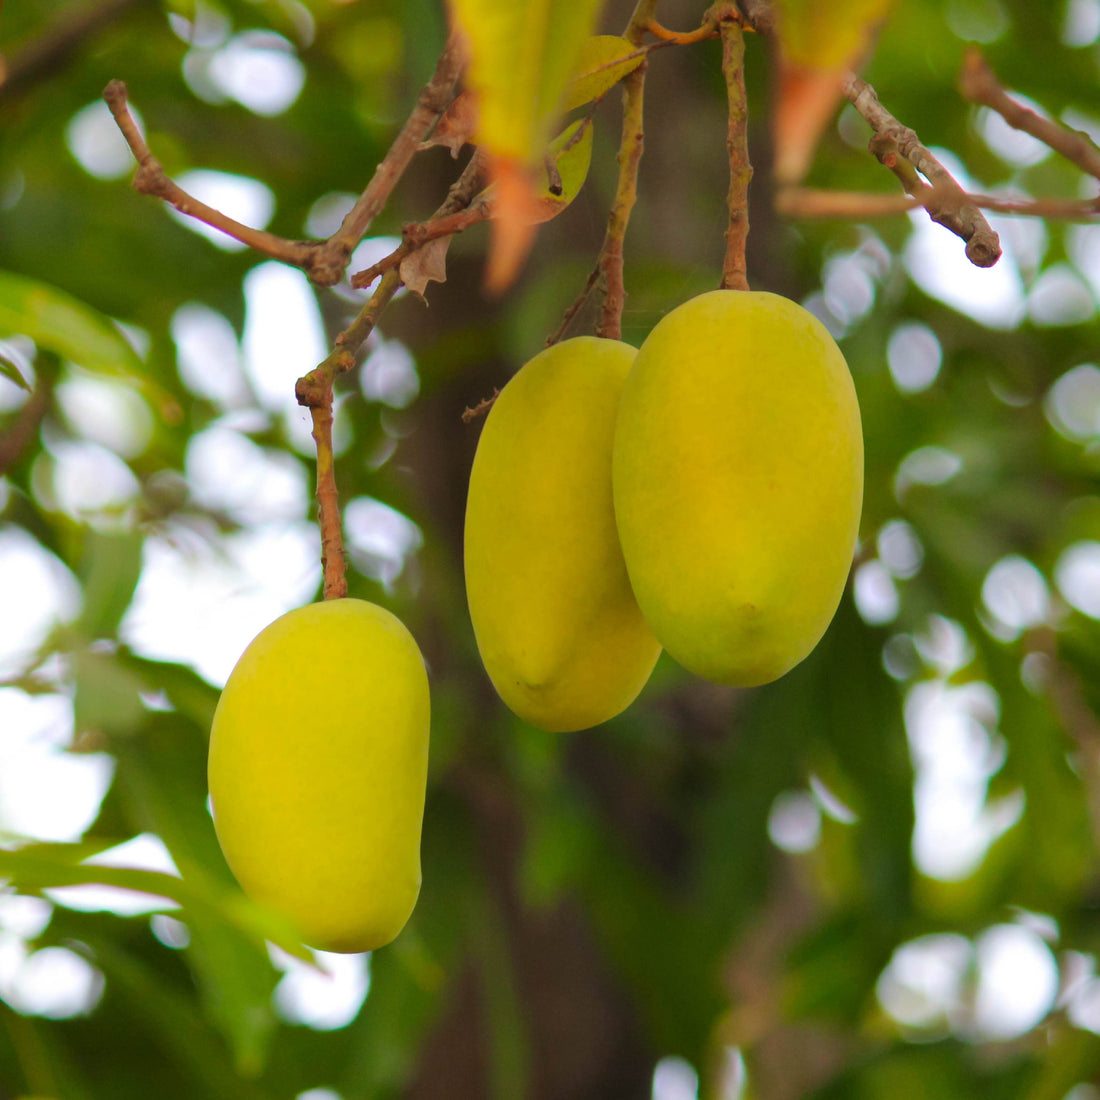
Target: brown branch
x=16, y=439
x=979, y=84
x=809, y=203
x=610, y=264
x=416, y=234
x=707, y=29
x=70, y=32
x=759, y=15
x=314, y=391
x=898, y=148
x=323, y=261
x=734, y=268
x=1064, y=209
x=151, y=179
x=471, y=414
x=574, y=309
x=1073, y=711
x=332, y=255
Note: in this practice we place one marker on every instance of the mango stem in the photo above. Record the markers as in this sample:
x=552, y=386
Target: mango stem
x=314, y=391
x=734, y=268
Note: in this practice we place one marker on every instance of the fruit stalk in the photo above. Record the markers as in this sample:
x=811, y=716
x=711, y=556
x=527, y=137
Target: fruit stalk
x=610, y=264
x=734, y=269
x=328, y=504
x=610, y=324
x=314, y=391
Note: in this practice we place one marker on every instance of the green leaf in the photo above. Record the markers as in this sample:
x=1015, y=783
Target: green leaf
x=571, y=154
x=172, y=1021
x=236, y=980
x=9, y=370
x=109, y=571
x=604, y=60
x=161, y=783
x=107, y=699
x=522, y=56
x=56, y=320
x=37, y=867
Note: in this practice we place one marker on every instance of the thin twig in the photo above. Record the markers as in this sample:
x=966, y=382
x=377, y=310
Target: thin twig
x=899, y=149
x=73, y=29
x=610, y=262
x=481, y=408
x=151, y=179
x=1073, y=711
x=809, y=203
x=332, y=256
x=323, y=261
x=574, y=309
x=759, y=15
x=16, y=439
x=1065, y=209
x=734, y=268
x=610, y=323
x=314, y=391
x=979, y=84
x=416, y=234
x=707, y=29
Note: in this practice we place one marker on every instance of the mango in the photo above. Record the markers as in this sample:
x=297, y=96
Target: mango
x=317, y=771
x=559, y=631
x=738, y=483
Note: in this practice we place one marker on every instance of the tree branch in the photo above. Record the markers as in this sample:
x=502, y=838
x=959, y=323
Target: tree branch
x=1073, y=711
x=610, y=262
x=323, y=261
x=16, y=439
x=734, y=269
x=899, y=149
x=456, y=213
x=332, y=255
x=610, y=323
x=809, y=203
x=574, y=309
x=151, y=179
x=314, y=391
x=481, y=408
x=979, y=84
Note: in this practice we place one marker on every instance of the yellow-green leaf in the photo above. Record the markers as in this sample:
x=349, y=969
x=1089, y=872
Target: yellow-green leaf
x=604, y=60
x=828, y=36
x=570, y=153
x=9, y=370
x=57, y=321
x=36, y=867
x=522, y=55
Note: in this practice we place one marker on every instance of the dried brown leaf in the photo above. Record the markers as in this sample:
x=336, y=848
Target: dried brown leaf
x=455, y=126
x=428, y=264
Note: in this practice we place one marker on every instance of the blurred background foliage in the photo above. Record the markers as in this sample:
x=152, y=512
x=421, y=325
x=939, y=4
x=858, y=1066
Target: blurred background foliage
x=875, y=877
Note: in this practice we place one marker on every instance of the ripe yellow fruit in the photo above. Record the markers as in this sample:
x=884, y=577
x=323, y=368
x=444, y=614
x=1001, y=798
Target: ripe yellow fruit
x=558, y=628
x=738, y=483
x=318, y=764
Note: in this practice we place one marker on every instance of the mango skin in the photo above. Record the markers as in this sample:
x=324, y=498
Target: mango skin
x=317, y=771
x=738, y=483
x=557, y=626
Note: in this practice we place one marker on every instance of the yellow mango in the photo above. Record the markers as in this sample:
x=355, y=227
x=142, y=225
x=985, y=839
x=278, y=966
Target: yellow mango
x=738, y=483
x=558, y=628
x=317, y=770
